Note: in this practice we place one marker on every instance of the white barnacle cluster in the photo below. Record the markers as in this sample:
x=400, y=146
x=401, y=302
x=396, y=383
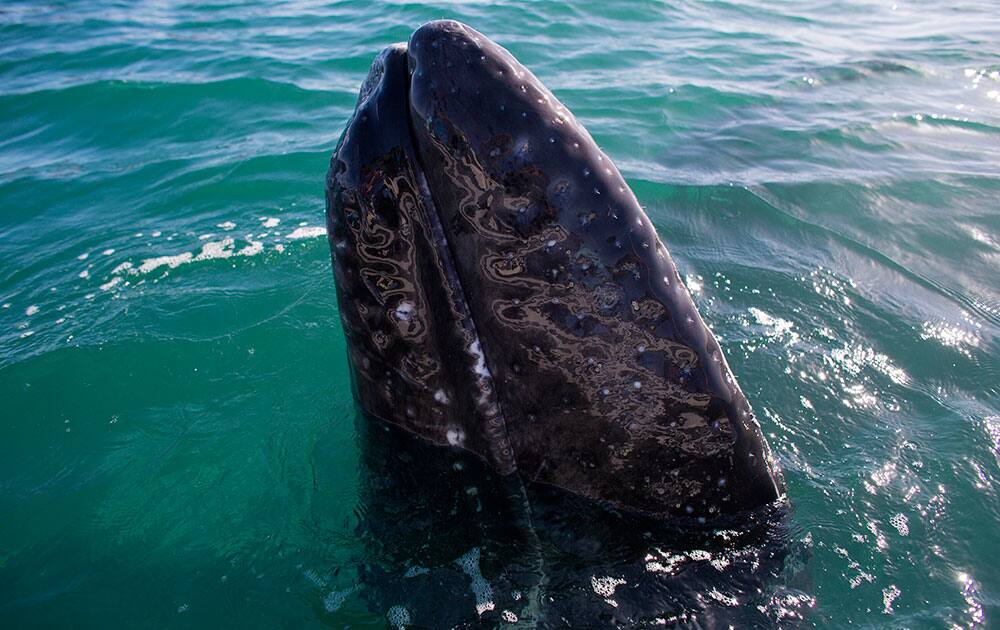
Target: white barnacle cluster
x=480, y=365
x=455, y=436
x=404, y=311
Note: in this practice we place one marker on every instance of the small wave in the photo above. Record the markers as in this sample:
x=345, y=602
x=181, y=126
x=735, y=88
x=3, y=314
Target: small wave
x=862, y=70
x=951, y=336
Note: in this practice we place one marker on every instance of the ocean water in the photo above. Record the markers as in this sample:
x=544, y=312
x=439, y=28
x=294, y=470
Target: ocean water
x=178, y=443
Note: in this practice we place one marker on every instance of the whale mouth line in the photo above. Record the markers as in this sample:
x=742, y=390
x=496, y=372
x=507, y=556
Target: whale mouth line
x=503, y=458
x=480, y=379
x=502, y=291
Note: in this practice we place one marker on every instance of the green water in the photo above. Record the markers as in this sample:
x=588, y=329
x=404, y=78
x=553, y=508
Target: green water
x=178, y=445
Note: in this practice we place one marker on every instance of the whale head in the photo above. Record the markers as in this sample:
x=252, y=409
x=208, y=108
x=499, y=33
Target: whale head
x=502, y=291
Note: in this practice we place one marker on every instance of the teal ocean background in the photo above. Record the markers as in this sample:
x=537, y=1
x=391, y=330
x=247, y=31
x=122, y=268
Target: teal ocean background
x=178, y=441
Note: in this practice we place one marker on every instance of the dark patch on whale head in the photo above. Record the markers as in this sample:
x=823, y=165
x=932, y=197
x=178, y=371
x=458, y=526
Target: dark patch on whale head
x=486, y=248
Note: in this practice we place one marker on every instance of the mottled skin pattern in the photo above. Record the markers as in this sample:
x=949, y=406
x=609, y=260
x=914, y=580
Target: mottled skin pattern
x=412, y=346
x=535, y=292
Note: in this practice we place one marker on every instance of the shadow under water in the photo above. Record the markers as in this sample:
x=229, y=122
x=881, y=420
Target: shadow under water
x=448, y=543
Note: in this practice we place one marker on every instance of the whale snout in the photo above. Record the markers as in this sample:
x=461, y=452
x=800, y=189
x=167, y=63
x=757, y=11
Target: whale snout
x=442, y=37
x=503, y=292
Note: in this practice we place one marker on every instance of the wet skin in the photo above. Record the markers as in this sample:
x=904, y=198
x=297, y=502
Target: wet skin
x=502, y=291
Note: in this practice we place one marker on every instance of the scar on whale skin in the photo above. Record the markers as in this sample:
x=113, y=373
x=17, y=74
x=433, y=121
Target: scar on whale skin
x=501, y=291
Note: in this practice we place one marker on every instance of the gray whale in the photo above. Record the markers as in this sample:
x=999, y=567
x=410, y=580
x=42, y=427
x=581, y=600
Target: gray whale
x=501, y=291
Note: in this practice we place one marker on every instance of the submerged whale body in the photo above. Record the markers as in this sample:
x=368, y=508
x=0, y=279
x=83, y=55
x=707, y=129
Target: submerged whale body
x=459, y=553
x=501, y=291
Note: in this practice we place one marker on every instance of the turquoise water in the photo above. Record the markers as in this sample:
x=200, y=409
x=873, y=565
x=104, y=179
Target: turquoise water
x=178, y=443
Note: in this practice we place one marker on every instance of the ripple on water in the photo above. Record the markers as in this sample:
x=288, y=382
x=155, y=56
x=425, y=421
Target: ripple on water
x=827, y=186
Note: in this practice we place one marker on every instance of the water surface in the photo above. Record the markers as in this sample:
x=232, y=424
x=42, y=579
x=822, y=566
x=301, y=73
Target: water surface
x=178, y=443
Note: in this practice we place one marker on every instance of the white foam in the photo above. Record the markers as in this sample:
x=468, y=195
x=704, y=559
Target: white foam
x=666, y=563
x=699, y=555
x=254, y=248
x=226, y=225
x=335, y=599
x=725, y=600
x=270, y=222
x=216, y=249
x=110, y=284
x=209, y=251
x=108, y=252
x=720, y=563
x=306, y=232
x=84, y=274
x=31, y=310
x=481, y=589
x=170, y=261
x=605, y=587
